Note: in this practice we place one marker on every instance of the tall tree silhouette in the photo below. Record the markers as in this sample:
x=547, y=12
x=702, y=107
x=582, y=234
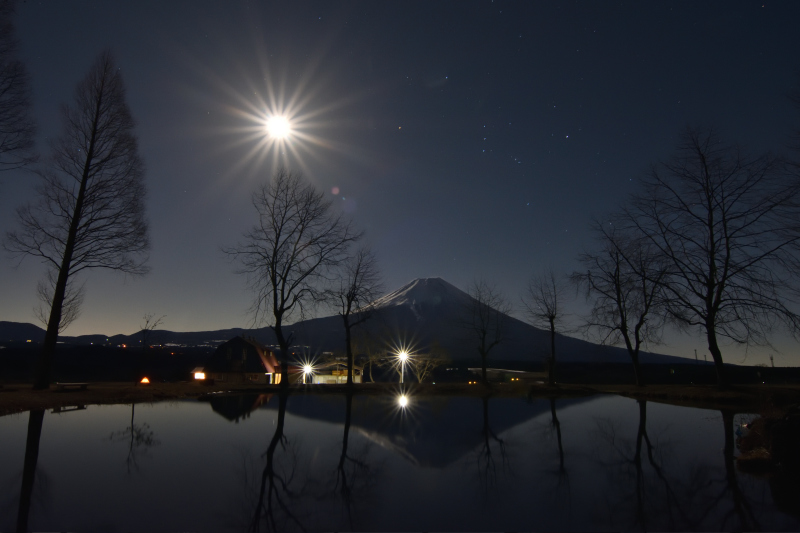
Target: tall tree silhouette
x=358, y=284
x=17, y=128
x=90, y=212
x=727, y=228
x=288, y=253
x=622, y=281
x=544, y=305
x=485, y=318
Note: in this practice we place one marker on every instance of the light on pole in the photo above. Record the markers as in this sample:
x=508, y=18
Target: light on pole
x=403, y=356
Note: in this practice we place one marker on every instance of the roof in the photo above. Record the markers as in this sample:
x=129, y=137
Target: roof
x=243, y=355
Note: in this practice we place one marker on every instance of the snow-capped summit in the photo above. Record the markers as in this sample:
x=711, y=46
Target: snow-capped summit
x=424, y=293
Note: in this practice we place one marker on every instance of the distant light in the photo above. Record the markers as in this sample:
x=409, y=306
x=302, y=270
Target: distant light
x=145, y=381
x=402, y=401
x=28, y=340
x=124, y=345
x=198, y=375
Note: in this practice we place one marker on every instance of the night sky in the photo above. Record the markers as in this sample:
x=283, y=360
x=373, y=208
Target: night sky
x=468, y=138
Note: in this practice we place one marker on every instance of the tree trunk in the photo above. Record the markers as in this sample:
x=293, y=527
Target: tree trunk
x=284, y=345
x=483, y=368
x=45, y=362
x=551, y=377
x=716, y=354
x=348, y=350
x=637, y=370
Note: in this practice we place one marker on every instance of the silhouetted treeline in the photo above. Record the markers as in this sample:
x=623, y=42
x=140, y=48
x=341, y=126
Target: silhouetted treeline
x=102, y=363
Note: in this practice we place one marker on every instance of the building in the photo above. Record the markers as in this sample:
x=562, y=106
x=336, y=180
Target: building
x=245, y=360
x=333, y=373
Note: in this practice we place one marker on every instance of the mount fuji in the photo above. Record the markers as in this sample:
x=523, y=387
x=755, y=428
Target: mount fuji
x=422, y=313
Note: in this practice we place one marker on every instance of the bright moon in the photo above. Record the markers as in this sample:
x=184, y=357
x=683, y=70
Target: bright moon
x=278, y=127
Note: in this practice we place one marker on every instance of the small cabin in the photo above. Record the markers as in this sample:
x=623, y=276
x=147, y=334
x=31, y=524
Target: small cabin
x=334, y=373
x=243, y=360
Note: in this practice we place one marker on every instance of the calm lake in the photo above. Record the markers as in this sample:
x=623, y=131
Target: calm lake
x=245, y=463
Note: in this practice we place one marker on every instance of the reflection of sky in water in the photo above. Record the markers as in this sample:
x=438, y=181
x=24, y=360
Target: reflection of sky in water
x=429, y=470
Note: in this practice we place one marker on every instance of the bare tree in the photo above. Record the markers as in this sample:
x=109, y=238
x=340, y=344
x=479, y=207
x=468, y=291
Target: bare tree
x=424, y=364
x=485, y=319
x=367, y=345
x=288, y=253
x=17, y=128
x=151, y=322
x=543, y=302
x=73, y=300
x=728, y=230
x=358, y=284
x=622, y=280
x=90, y=212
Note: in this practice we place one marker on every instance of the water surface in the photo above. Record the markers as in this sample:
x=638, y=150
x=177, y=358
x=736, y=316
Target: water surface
x=311, y=463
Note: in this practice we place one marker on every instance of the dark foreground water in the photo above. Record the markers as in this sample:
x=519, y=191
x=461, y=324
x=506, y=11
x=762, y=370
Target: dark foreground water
x=310, y=463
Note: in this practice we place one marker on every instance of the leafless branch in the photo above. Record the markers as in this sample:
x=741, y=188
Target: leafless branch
x=70, y=309
x=622, y=280
x=727, y=228
x=357, y=284
x=485, y=318
x=543, y=302
x=17, y=128
x=289, y=254
x=90, y=209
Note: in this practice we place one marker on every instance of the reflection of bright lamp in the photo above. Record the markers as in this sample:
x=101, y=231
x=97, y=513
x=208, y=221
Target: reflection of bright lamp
x=402, y=401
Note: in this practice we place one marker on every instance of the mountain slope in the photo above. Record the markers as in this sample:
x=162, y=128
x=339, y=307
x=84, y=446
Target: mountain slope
x=417, y=315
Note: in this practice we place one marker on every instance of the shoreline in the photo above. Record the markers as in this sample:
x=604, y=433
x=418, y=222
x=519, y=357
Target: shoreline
x=19, y=398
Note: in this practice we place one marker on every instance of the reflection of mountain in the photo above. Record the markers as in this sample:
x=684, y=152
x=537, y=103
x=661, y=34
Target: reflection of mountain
x=434, y=432
x=423, y=311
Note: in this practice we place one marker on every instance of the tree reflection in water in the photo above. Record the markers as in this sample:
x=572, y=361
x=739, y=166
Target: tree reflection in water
x=656, y=494
x=354, y=476
x=491, y=447
x=139, y=437
x=272, y=508
x=650, y=493
x=29, y=471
